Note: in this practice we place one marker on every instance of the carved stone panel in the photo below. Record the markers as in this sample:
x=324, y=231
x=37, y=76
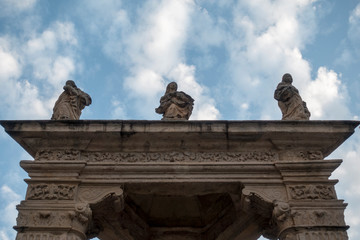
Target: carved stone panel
x=51, y=191
x=48, y=155
x=44, y=218
x=312, y=192
x=301, y=155
x=318, y=217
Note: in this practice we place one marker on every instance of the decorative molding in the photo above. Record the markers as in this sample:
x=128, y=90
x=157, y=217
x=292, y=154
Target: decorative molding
x=310, y=235
x=269, y=194
x=312, y=192
x=66, y=155
x=47, y=236
x=97, y=194
x=51, y=192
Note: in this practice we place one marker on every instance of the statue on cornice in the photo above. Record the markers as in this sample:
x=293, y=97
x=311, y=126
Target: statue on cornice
x=289, y=100
x=175, y=105
x=70, y=103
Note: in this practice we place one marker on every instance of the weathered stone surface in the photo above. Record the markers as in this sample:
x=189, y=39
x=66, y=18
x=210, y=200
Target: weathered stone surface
x=289, y=100
x=213, y=180
x=175, y=105
x=70, y=103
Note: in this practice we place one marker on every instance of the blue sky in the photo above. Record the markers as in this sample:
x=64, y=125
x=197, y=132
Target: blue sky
x=228, y=55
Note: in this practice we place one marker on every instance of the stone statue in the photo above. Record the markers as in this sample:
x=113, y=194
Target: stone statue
x=70, y=103
x=289, y=100
x=175, y=105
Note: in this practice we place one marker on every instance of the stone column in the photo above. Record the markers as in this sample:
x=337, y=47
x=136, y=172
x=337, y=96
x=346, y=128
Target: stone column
x=314, y=210
x=58, y=206
x=50, y=213
x=50, y=210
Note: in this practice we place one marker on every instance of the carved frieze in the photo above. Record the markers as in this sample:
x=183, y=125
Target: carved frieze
x=312, y=192
x=302, y=155
x=65, y=155
x=318, y=217
x=51, y=192
x=48, y=155
x=43, y=218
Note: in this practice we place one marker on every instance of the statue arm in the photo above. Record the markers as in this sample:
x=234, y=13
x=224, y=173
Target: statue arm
x=70, y=90
x=165, y=102
x=284, y=93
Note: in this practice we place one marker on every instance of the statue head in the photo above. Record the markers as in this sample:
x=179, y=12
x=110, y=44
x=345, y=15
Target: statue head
x=171, y=87
x=70, y=83
x=287, y=78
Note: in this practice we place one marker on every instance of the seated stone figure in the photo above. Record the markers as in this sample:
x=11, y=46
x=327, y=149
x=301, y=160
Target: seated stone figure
x=289, y=100
x=70, y=103
x=175, y=105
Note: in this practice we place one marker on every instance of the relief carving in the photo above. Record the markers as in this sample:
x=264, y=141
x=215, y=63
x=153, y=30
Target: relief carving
x=51, y=192
x=43, y=218
x=302, y=155
x=312, y=192
x=319, y=217
x=65, y=155
x=45, y=155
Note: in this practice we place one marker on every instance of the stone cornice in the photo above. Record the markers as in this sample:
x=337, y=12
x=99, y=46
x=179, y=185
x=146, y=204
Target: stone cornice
x=306, y=139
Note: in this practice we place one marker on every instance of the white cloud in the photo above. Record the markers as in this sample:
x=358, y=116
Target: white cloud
x=144, y=83
x=326, y=96
x=266, y=45
x=49, y=56
x=263, y=46
x=11, y=7
x=349, y=179
x=9, y=200
x=354, y=28
x=9, y=64
x=351, y=49
x=204, y=106
x=19, y=97
x=153, y=46
x=118, y=109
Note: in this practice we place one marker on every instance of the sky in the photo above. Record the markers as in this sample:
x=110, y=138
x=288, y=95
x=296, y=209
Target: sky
x=228, y=55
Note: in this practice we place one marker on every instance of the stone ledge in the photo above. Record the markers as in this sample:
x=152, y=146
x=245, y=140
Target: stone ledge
x=291, y=139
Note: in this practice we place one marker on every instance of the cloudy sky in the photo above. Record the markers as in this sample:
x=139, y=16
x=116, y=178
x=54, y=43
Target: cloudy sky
x=228, y=55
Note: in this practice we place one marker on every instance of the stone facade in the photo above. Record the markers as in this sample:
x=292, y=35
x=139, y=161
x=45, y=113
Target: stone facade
x=213, y=180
